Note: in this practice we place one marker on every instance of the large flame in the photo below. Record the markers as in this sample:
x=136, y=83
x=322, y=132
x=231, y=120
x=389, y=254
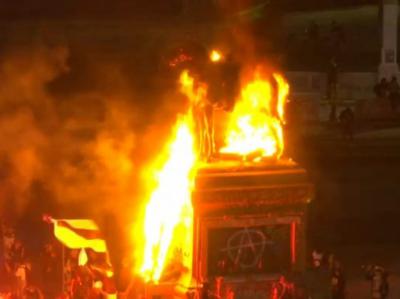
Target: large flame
x=255, y=125
x=168, y=223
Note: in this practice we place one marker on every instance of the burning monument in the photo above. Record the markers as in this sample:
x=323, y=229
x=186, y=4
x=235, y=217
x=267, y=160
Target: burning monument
x=225, y=216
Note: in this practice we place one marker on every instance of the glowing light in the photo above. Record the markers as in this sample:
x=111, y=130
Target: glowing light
x=215, y=56
x=82, y=258
x=98, y=285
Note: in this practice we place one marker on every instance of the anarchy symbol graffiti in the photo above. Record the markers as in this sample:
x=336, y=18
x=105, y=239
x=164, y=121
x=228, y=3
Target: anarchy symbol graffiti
x=245, y=247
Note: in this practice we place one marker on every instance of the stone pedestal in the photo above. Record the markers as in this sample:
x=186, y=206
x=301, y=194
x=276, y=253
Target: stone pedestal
x=250, y=224
x=389, y=66
x=249, y=229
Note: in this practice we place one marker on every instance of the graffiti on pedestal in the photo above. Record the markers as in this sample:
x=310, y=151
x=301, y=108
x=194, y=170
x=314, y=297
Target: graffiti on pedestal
x=249, y=250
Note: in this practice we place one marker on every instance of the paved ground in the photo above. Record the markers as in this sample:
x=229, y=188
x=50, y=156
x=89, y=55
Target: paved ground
x=356, y=208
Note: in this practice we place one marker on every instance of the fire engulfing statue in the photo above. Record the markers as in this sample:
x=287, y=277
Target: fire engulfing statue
x=203, y=114
x=211, y=84
x=221, y=77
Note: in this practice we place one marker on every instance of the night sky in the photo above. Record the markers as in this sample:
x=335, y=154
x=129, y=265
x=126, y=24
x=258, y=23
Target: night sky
x=23, y=9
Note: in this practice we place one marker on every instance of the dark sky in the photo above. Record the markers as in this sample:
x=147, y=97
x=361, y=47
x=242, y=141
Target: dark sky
x=27, y=9
x=87, y=8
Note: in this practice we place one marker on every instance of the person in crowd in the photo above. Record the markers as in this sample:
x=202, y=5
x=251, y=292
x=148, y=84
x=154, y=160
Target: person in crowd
x=19, y=267
x=7, y=265
x=317, y=279
x=337, y=34
x=346, y=119
x=332, y=82
x=338, y=282
x=51, y=270
x=313, y=31
x=379, y=281
x=102, y=274
x=330, y=260
x=313, y=34
x=8, y=234
x=377, y=89
x=394, y=92
x=81, y=285
x=21, y=274
x=70, y=271
x=336, y=40
x=381, y=89
x=33, y=292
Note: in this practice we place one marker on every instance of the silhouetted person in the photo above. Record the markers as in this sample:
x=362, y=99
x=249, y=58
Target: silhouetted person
x=51, y=271
x=313, y=31
x=337, y=35
x=381, y=89
x=338, y=282
x=394, y=92
x=346, y=119
x=313, y=42
x=318, y=280
x=332, y=82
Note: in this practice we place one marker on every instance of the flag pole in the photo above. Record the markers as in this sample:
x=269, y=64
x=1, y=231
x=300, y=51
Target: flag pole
x=63, y=268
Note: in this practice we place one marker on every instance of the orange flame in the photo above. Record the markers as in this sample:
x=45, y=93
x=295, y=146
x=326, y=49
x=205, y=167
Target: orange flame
x=255, y=125
x=196, y=92
x=283, y=92
x=82, y=258
x=168, y=223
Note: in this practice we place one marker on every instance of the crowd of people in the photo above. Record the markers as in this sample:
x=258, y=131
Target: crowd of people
x=91, y=279
x=55, y=273
x=82, y=273
x=15, y=267
x=326, y=278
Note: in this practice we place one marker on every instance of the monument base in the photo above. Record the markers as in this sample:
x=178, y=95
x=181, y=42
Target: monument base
x=250, y=225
